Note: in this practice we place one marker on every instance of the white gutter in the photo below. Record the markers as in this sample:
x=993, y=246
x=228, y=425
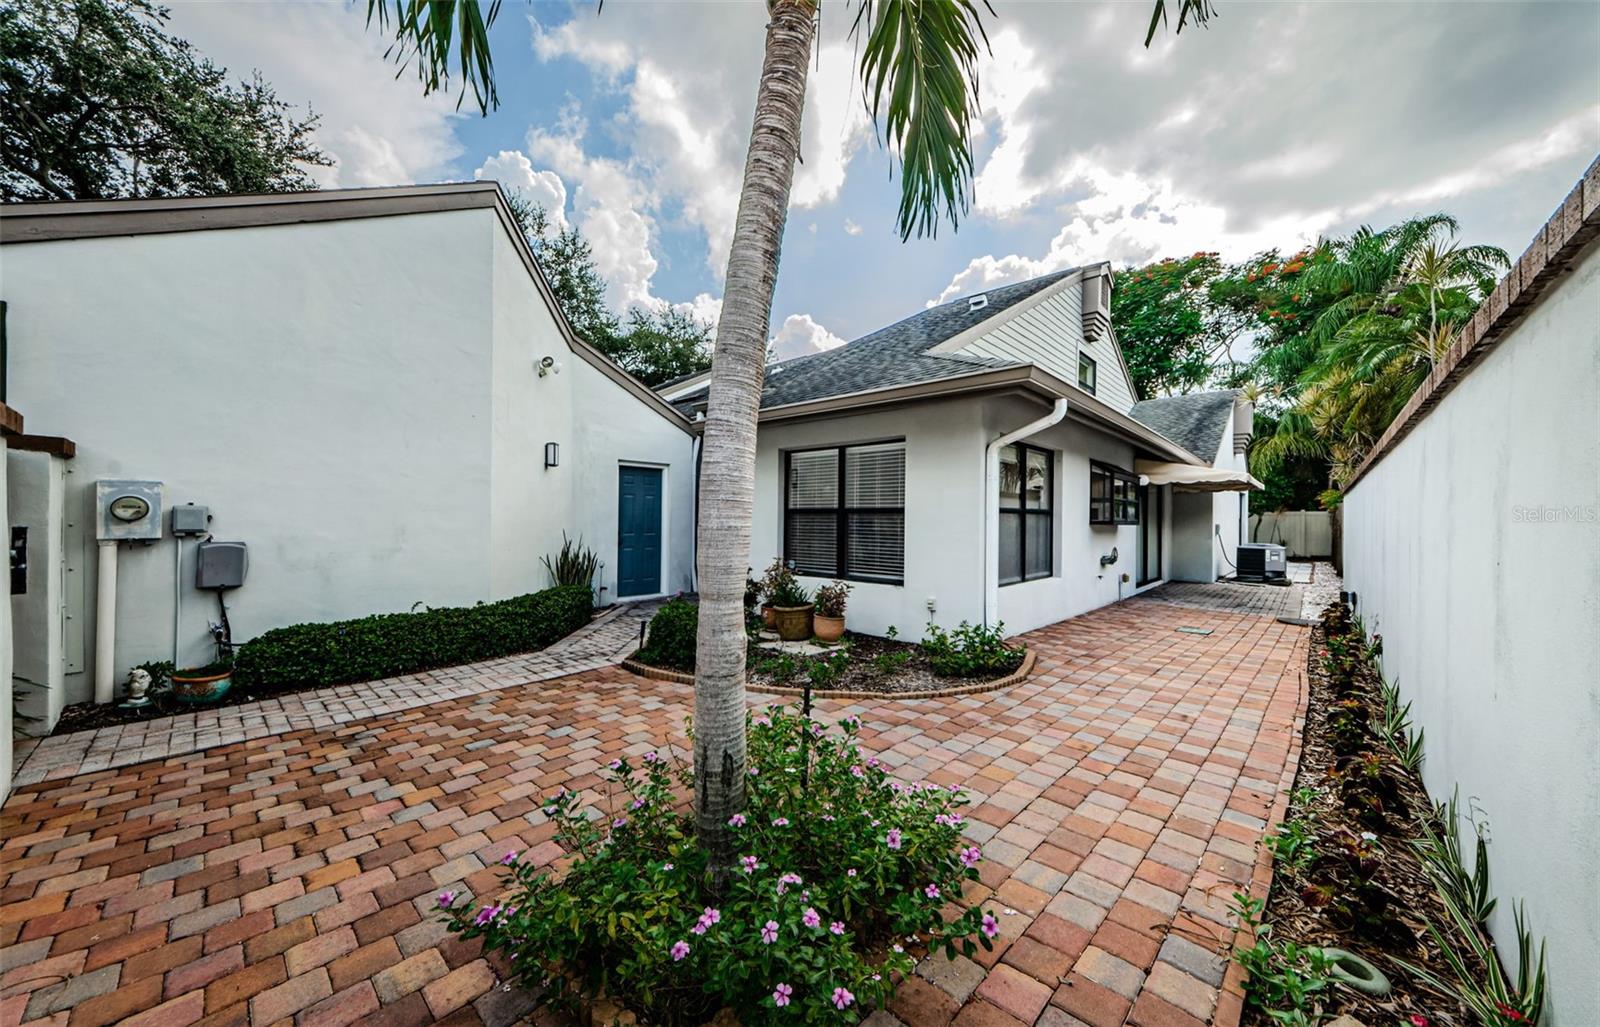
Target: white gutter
x=991, y=505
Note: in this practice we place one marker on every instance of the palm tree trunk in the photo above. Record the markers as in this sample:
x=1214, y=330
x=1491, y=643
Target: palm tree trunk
x=727, y=477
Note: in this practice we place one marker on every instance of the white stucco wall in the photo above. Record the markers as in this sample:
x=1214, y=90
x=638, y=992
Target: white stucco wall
x=1474, y=548
x=354, y=399
x=944, y=515
x=37, y=490
x=6, y=752
x=1200, y=519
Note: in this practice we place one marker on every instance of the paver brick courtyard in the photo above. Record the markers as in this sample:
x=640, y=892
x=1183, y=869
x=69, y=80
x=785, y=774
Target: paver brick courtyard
x=1118, y=796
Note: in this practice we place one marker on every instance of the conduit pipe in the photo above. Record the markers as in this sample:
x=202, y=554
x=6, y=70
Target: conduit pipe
x=105, y=622
x=991, y=506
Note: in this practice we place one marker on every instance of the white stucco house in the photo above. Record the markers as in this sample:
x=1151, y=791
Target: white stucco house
x=373, y=389
x=987, y=460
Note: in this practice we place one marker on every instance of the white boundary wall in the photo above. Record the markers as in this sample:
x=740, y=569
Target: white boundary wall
x=1474, y=548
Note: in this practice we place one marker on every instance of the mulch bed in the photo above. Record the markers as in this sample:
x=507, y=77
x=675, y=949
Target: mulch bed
x=1374, y=905
x=863, y=674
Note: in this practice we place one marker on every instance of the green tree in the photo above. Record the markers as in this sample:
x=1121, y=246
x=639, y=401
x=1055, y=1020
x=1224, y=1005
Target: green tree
x=919, y=73
x=1382, y=308
x=1176, y=324
x=661, y=344
x=97, y=101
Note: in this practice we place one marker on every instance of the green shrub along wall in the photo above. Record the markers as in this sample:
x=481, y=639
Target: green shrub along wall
x=389, y=644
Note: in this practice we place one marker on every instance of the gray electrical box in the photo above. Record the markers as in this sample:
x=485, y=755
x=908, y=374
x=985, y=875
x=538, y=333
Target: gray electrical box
x=189, y=519
x=127, y=511
x=220, y=564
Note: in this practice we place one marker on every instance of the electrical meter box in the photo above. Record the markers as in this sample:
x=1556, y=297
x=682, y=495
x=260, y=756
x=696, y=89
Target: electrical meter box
x=127, y=511
x=189, y=519
x=220, y=564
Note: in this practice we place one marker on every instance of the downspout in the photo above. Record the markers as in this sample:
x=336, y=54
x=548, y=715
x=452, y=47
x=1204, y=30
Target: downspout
x=694, y=498
x=991, y=503
x=105, y=623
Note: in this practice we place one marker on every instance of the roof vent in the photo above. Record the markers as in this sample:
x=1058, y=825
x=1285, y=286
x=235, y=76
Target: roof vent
x=977, y=302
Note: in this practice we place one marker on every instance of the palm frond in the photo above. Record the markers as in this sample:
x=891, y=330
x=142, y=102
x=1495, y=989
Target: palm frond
x=919, y=74
x=443, y=38
x=1197, y=11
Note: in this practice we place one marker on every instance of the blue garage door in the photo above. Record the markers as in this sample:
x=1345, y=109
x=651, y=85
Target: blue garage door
x=638, y=531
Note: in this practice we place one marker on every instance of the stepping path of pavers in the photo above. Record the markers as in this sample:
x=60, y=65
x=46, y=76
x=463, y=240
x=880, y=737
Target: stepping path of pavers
x=286, y=878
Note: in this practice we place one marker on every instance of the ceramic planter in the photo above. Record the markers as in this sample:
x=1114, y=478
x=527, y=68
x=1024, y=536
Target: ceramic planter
x=201, y=688
x=793, y=622
x=828, y=629
x=769, y=618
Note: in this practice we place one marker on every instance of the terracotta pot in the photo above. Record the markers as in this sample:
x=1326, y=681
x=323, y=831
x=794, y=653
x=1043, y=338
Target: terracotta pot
x=769, y=619
x=793, y=622
x=828, y=629
x=203, y=688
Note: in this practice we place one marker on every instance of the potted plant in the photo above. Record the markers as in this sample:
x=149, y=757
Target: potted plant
x=791, y=609
x=209, y=683
x=828, y=621
x=776, y=574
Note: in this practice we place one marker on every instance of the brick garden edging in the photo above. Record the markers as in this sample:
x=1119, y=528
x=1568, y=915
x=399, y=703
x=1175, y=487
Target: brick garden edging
x=659, y=674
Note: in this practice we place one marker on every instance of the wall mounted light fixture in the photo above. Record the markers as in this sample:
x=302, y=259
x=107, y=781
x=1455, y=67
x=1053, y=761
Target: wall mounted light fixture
x=552, y=454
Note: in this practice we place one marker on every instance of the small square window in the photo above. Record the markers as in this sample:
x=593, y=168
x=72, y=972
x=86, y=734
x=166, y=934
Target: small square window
x=1086, y=373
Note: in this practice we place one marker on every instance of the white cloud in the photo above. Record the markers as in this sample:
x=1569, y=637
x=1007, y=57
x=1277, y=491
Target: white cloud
x=851, y=228
x=799, y=336
x=516, y=174
x=379, y=129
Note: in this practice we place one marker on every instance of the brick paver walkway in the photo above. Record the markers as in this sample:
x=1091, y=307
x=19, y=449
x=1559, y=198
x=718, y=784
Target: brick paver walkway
x=1119, y=793
x=1259, y=600
x=602, y=642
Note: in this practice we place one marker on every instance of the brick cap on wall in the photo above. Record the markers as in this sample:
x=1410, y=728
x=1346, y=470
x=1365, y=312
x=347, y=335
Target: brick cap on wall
x=1553, y=252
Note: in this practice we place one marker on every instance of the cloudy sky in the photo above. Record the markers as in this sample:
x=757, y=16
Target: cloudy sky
x=1279, y=123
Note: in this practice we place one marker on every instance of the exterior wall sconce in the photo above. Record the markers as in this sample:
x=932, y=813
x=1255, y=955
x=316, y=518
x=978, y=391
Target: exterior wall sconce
x=548, y=365
x=552, y=454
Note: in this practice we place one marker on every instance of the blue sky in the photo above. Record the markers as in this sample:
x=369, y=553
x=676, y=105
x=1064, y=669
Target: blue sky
x=1277, y=124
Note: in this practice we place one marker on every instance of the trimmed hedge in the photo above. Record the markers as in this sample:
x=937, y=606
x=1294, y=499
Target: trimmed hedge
x=390, y=644
x=671, y=638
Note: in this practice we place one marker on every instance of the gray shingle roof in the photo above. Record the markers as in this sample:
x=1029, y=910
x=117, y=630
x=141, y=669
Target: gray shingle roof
x=1195, y=421
x=896, y=355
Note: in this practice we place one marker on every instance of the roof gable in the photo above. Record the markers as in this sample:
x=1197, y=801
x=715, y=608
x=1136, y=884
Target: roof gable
x=1196, y=421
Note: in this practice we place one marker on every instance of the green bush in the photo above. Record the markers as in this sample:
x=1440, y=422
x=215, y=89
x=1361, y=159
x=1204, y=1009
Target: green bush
x=838, y=866
x=670, y=639
x=970, y=651
x=390, y=644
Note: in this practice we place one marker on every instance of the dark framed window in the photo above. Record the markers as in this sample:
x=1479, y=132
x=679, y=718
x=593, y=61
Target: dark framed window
x=1027, y=488
x=845, y=512
x=1113, y=495
x=1086, y=373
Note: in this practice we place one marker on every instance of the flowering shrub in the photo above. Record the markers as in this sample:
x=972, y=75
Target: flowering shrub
x=971, y=650
x=839, y=867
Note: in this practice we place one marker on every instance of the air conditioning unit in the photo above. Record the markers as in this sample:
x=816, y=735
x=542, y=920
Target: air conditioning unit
x=1262, y=561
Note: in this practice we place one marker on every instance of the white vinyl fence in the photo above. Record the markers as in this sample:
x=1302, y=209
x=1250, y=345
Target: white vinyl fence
x=1306, y=533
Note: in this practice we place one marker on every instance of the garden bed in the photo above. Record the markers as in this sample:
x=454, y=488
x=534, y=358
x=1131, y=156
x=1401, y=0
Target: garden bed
x=307, y=657
x=1348, y=872
x=867, y=666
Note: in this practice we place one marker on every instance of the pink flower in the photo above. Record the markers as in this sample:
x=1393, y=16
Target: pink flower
x=856, y=770
x=931, y=891
x=509, y=858
x=666, y=866
x=446, y=898
x=780, y=821
x=892, y=839
x=873, y=762
x=810, y=918
x=615, y=764
x=837, y=927
x=620, y=822
x=991, y=926
x=970, y=856
x=786, y=880
x=679, y=949
x=737, y=820
x=712, y=916
x=842, y=998
x=769, y=932
x=780, y=995
x=761, y=722
x=750, y=863
x=637, y=804
x=1418, y=1020
x=486, y=914
x=651, y=757
x=851, y=872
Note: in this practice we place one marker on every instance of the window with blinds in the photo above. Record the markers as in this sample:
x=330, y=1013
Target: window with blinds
x=845, y=512
x=1027, y=491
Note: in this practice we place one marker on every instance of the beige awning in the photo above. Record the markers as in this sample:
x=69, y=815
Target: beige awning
x=1189, y=478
